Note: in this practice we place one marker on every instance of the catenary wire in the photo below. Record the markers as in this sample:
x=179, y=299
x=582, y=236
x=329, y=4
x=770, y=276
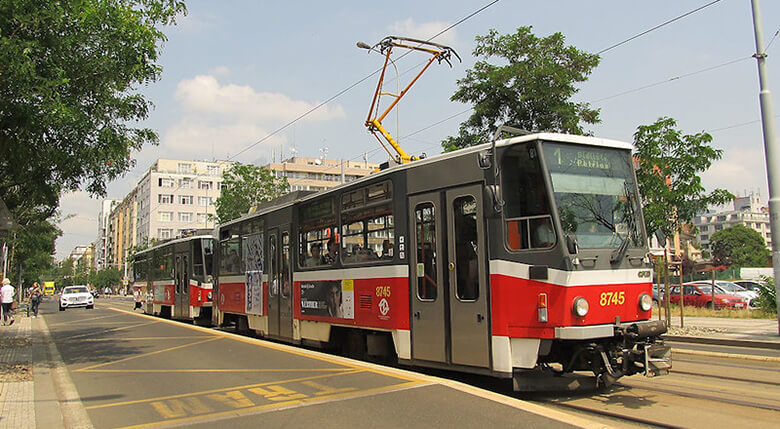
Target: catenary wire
x=656, y=27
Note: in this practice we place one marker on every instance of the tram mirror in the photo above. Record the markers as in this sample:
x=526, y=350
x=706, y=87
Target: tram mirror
x=484, y=159
x=571, y=244
x=493, y=203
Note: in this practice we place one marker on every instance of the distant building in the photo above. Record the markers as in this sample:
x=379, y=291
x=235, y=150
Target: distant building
x=172, y=197
x=315, y=174
x=102, y=242
x=748, y=211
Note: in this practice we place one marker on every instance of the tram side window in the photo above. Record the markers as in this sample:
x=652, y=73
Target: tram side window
x=139, y=268
x=466, y=251
x=208, y=253
x=527, y=209
x=230, y=256
x=317, y=243
x=164, y=266
x=197, y=257
x=367, y=225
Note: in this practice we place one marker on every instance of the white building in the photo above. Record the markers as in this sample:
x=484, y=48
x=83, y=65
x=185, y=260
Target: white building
x=173, y=196
x=101, y=244
x=748, y=211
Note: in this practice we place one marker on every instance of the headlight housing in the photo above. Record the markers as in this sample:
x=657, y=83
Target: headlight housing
x=581, y=306
x=645, y=302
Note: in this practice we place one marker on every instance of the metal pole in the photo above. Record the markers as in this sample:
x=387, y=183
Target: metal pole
x=771, y=151
x=667, y=288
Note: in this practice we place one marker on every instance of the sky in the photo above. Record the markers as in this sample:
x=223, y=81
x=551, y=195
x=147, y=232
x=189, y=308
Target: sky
x=236, y=71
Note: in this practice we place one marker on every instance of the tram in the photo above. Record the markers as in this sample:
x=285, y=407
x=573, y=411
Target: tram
x=522, y=257
x=174, y=278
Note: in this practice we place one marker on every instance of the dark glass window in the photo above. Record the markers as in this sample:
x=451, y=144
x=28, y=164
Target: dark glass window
x=466, y=251
x=425, y=230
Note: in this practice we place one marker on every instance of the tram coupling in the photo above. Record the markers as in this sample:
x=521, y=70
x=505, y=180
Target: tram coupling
x=639, y=349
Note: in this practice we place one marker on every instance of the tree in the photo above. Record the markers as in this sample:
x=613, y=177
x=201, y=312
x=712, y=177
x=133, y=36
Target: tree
x=244, y=186
x=668, y=175
x=739, y=246
x=69, y=75
x=532, y=89
x=109, y=277
x=33, y=247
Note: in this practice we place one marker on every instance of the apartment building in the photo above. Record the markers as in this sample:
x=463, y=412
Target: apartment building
x=316, y=174
x=102, y=242
x=173, y=196
x=747, y=211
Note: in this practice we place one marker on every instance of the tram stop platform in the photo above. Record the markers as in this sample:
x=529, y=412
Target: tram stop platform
x=160, y=373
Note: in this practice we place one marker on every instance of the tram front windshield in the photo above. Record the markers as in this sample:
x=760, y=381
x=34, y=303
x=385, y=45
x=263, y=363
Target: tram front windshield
x=595, y=193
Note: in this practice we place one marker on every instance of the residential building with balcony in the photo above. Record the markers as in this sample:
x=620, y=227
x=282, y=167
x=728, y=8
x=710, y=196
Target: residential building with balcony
x=747, y=211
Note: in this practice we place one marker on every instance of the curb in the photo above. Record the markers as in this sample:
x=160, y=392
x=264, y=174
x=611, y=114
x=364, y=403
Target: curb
x=756, y=344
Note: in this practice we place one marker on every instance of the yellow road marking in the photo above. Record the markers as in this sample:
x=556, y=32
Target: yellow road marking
x=224, y=389
x=190, y=337
x=285, y=349
x=112, y=330
x=84, y=320
x=167, y=371
x=285, y=404
x=147, y=354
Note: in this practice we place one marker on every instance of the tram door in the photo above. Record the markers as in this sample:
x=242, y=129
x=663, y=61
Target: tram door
x=280, y=312
x=450, y=301
x=181, y=303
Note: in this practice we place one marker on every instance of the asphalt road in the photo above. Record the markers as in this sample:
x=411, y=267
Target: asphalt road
x=132, y=370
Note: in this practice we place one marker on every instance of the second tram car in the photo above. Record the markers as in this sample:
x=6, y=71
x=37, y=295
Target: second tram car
x=175, y=278
x=522, y=257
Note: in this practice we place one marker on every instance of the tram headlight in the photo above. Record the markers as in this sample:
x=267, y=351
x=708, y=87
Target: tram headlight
x=645, y=302
x=580, y=306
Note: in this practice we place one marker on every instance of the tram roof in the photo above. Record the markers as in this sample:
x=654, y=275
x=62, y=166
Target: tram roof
x=175, y=241
x=557, y=137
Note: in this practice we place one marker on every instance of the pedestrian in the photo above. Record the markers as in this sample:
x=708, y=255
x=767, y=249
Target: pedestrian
x=7, y=293
x=36, y=294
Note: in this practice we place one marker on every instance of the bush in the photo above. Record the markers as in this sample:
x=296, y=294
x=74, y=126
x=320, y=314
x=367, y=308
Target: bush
x=767, y=295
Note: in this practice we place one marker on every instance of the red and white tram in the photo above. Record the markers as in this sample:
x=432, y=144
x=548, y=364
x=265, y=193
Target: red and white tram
x=512, y=259
x=174, y=278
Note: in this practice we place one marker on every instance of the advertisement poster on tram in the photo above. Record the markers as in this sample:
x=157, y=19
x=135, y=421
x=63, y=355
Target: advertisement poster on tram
x=328, y=298
x=253, y=254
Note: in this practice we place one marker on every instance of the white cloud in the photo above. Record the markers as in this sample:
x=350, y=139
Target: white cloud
x=194, y=139
x=204, y=94
x=424, y=31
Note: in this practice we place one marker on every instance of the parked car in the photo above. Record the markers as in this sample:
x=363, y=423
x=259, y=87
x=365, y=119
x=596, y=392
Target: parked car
x=76, y=296
x=732, y=288
x=754, y=285
x=700, y=295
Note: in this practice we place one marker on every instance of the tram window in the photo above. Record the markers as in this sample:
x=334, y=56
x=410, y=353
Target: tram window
x=425, y=230
x=139, y=268
x=273, y=286
x=317, y=226
x=230, y=256
x=527, y=209
x=286, y=265
x=208, y=255
x=197, y=257
x=164, y=268
x=466, y=251
x=367, y=225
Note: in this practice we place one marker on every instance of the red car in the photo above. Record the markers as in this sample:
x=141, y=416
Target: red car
x=700, y=295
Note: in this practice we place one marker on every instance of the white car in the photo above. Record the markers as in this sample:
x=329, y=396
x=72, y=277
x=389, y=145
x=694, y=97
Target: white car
x=734, y=289
x=76, y=296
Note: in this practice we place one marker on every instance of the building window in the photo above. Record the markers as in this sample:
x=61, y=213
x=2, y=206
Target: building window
x=165, y=199
x=704, y=237
x=704, y=228
x=164, y=232
x=165, y=216
x=185, y=200
x=165, y=182
x=185, y=217
x=202, y=218
x=721, y=218
x=213, y=170
x=185, y=183
x=206, y=185
x=185, y=167
x=205, y=201
x=718, y=227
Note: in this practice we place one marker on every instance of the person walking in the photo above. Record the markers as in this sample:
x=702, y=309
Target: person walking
x=7, y=293
x=36, y=294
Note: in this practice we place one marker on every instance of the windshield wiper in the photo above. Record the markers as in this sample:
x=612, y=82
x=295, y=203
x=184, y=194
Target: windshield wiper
x=618, y=253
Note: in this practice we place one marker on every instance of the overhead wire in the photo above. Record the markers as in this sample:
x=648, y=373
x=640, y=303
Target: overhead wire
x=657, y=27
x=348, y=88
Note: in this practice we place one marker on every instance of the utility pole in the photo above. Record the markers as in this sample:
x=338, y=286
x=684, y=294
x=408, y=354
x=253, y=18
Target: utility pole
x=771, y=151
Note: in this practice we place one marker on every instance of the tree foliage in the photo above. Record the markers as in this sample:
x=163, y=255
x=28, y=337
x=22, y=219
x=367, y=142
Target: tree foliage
x=245, y=185
x=69, y=75
x=33, y=251
x=529, y=86
x=739, y=246
x=668, y=175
